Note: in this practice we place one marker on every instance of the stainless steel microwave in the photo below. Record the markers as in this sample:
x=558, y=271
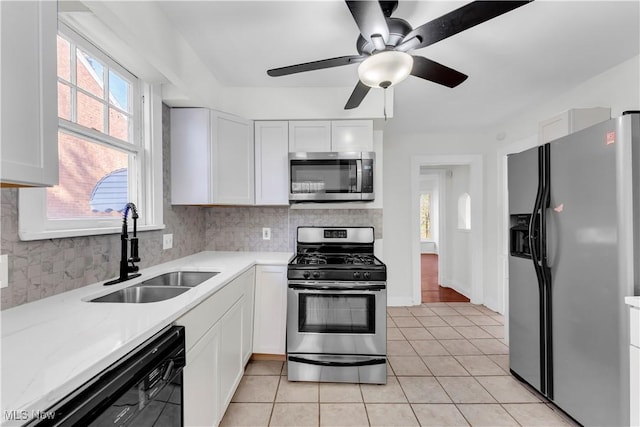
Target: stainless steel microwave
x=331, y=177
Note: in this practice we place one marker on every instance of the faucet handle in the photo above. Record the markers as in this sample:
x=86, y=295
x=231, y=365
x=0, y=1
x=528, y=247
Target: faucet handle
x=134, y=250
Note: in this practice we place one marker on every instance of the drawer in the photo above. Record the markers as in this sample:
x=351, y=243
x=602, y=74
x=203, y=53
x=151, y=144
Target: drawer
x=635, y=327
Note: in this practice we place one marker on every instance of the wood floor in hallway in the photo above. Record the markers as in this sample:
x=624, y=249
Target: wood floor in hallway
x=431, y=290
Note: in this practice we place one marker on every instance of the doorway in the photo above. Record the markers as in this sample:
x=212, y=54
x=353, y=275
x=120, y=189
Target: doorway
x=439, y=263
x=444, y=193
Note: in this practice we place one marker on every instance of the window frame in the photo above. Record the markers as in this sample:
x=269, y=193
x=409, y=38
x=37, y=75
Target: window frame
x=145, y=173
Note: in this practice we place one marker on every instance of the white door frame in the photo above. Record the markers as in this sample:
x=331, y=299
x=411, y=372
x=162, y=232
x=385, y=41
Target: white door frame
x=474, y=161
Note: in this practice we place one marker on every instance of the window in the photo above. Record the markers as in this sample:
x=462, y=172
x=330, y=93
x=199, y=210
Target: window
x=464, y=212
x=425, y=217
x=105, y=148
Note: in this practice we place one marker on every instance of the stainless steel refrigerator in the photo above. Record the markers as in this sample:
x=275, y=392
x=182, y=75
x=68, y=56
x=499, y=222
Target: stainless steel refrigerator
x=574, y=207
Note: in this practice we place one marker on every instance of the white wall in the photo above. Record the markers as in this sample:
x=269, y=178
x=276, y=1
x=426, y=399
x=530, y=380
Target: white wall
x=457, y=271
x=618, y=88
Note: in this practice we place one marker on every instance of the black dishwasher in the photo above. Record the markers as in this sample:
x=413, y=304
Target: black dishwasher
x=144, y=388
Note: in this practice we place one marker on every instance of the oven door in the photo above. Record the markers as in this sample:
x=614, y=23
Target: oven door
x=337, y=318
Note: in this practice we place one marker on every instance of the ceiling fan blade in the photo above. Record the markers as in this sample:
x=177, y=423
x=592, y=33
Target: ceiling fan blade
x=461, y=19
x=435, y=72
x=369, y=19
x=316, y=65
x=357, y=96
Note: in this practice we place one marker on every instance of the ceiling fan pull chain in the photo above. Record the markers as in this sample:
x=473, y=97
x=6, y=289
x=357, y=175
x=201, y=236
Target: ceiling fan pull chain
x=384, y=106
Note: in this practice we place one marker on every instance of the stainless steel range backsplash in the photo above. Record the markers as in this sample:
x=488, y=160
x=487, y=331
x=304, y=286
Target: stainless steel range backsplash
x=240, y=228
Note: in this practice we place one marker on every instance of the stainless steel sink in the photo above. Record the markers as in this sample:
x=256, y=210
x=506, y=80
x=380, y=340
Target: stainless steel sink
x=187, y=279
x=142, y=294
x=158, y=288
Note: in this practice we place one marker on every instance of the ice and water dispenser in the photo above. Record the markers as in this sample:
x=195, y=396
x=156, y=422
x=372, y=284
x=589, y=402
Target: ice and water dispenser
x=519, y=236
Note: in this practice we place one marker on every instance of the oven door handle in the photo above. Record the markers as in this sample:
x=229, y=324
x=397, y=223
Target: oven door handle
x=348, y=287
x=368, y=362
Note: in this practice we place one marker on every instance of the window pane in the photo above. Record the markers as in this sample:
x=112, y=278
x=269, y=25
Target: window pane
x=64, y=59
x=93, y=180
x=119, y=91
x=64, y=101
x=118, y=125
x=425, y=217
x=89, y=74
x=90, y=112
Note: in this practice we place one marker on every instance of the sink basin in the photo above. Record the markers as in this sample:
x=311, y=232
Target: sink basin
x=158, y=288
x=142, y=294
x=187, y=279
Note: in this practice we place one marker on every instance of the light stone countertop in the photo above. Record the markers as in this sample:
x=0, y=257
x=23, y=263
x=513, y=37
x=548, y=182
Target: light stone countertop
x=633, y=301
x=52, y=346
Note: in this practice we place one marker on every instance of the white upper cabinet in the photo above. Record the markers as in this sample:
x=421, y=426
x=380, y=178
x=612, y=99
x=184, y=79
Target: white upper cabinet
x=272, y=149
x=351, y=135
x=310, y=136
x=233, y=159
x=29, y=117
x=571, y=121
x=326, y=136
x=212, y=158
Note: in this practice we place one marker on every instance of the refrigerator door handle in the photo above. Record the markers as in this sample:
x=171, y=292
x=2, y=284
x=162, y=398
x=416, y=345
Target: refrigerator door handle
x=535, y=223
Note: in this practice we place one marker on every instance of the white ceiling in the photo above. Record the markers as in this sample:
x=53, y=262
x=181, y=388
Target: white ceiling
x=513, y=61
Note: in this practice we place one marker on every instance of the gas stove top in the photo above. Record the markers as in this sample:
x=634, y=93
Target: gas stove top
x=336, y=254
x=336, y=259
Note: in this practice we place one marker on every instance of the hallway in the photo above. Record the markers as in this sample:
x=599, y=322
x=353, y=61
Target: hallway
x=431, y=290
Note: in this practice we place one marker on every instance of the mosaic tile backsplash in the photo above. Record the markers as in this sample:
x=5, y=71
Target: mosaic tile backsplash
x=240, y=229
x=38, y=269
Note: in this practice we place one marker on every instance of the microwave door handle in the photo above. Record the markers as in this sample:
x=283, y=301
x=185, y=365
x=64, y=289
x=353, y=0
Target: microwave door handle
x=358, y=176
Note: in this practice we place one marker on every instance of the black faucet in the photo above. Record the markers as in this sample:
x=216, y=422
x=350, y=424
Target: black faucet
x=125, y=268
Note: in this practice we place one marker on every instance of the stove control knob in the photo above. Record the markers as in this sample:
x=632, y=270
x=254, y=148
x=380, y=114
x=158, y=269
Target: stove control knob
x=306, y=274
x=366, y=275
x=316, y=275
x=356, y=275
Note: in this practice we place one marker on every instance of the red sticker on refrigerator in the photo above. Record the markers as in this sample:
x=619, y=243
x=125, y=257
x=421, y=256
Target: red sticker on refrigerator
x=611, y=137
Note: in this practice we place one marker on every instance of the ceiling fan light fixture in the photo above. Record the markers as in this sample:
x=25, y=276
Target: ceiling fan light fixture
x=385, y=69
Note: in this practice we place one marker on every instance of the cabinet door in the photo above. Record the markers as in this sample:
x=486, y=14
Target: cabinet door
x=270, y=318
x=272, y=164
x=232, y=159
x=571, y=121
x=248, y=281
x=190, y=153
x=29, y=113
x=201, y=382
x=231, y=364
x=310, y=136
x=635, y=385
x=351, y=135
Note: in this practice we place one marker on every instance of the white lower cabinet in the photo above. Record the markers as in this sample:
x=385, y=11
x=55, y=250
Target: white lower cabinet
x=217, y=332
x=270, y=321
x=249, y=281
x=635, y=386
x=634, y=359
x=201, y=393
x=230, y=352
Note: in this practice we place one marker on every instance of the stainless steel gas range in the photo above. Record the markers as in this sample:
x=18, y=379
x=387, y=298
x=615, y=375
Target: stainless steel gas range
x=336, y=307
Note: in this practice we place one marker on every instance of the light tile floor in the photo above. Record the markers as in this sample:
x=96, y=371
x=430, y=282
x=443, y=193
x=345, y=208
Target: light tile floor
x=448, y=366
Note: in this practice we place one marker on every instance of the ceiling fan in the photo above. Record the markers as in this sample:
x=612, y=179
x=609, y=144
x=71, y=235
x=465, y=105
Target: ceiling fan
x=385, y=42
